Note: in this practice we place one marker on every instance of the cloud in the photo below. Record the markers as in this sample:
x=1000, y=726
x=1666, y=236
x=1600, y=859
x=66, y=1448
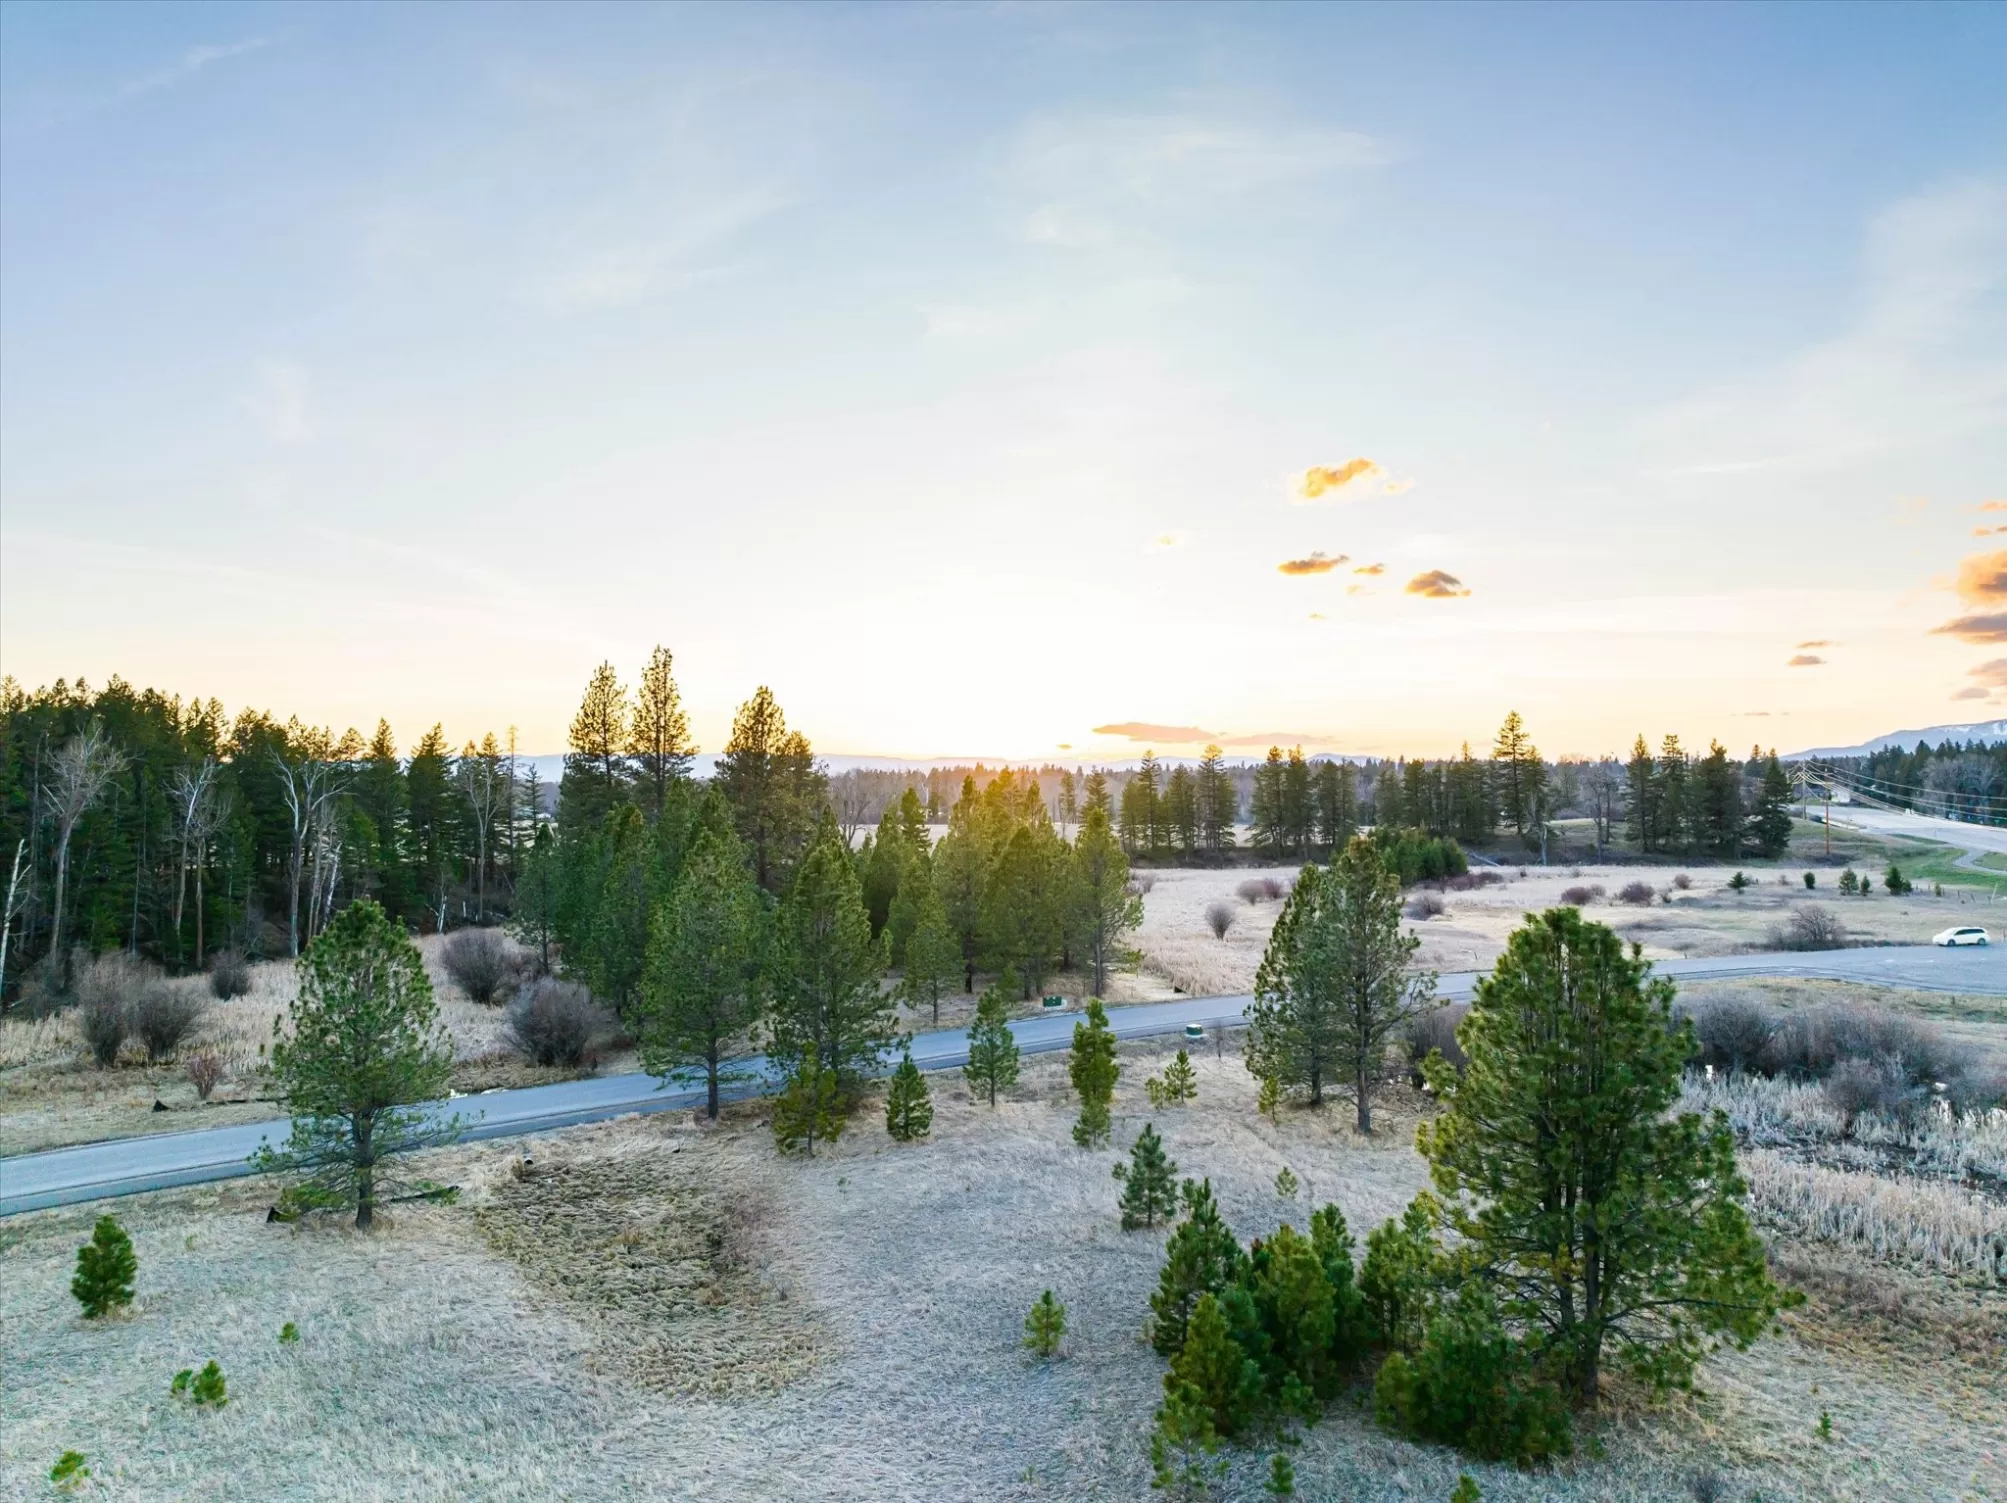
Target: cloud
x=1993, y=505
x=1971, y=691
x=1435, y=584
x=1819, y=642
x=1982, y=578
x=1143, y=730
x=1992, y=673
x=1267, y=739
x=1985, y=626
x=190, y=63
x=1317, y=563
x=1397, y=487
x=1806, y=660
x=1319, y=478
x=1987, y=532
x=1371, y=569
x=278, y=401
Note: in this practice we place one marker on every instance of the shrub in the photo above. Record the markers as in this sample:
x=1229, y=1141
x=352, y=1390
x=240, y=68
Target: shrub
x=101, y=1020
x=1740, y=882
x=1045, y=1326
x=1418, y=856
x=1897, y=884
x=1812, y=1045
x=1579, y=896
x=229, y=975
x=1141, y=883
x=205, y=1070
x=1470, y=1385
x=1638, y=894
x=1219, y=918
x=69, y=1470
x=1286, y=1184
x=1733, y=1032
x=206, y=1387
x=1849, y=882
x=480, y=963
x=1434, y=1029
x=107, y=987
x=909, y=1110
x=1424, y=905
x=106, y=1267
x=1683, y=881
x=558, y=1023
x=1857, y=1086
x=1252, y=891
x=161, y=1016
x=1180, y=1083
x=1811, y=881
x=1397, y=1282
x=1810, y=927
x=288, y=1334
x=1149, y=1182
x=1275, y=889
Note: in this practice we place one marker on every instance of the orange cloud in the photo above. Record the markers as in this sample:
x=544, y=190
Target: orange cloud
x=1993, y=505
x=1437, y=585
x=1397, y=487
x=1987, y=532
x=1992, y=673
x=1983, y=626
x=1971, y=692
x=1371, y=569
x=1143, y=730
x=1806, y=660
x=1317, y=563
x=1822, y=642
x=1318, y=479
x=1982, y=578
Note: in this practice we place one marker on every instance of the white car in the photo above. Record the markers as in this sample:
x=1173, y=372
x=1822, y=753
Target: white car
x=1968, y=934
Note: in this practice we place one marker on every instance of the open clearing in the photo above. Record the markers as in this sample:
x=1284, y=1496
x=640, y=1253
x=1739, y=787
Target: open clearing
x=661, y=1309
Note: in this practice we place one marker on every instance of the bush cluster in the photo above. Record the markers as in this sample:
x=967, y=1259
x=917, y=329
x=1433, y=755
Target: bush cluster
x=229, y=975
x=120, y=997
x=1811, y=926
x=1580, y=896
x=1261, y=890
x=1434, y=1030
x=558, y=1023
x=482, y=963
x=1418, y=856
x=1638, y=894
x=1424, y=905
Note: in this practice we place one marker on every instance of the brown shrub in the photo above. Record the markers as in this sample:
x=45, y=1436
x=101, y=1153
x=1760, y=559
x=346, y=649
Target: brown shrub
x=161, y=1016
x=1219, y=918
x=1424, y=905
x=1810, y=927
x=229, y=975
x=205, y=1070
x=1682, y=882
x=1434, y=1030
x=559, y=1023
x=1252, y=891
x=1580, y=896
x=481, y=962
x=1639, y=894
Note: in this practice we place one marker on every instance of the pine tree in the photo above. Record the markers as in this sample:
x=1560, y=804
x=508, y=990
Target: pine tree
x=770, y=777
x=1611, y=1222
x=1105, y=910
x=993, y=1051
x=1201, y=1257
x=1045, y=1327
x=705, y=985
x=1181, y=1081
x=365, y=1047
x=909, y=1109
x=960, y=871
x=809, y=1108
x=1770, y=825
x=1642, y=774
x=1020, y=924
x=1093, y=1070
x=1212, y=1365
x=828, y=1005
x=1521, y=775
x=594, y=771
x=933, y=955
x=1333, y=986
x=658, y=742
x=1281, y=1476
x=1184, y=1448
x=1149, y=1182
x=106, y=1268
x=1217, y=800
x=1269, y=830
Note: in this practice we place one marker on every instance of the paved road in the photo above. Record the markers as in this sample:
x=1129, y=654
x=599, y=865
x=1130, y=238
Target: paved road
x=1973, y=839
x=128, y=1166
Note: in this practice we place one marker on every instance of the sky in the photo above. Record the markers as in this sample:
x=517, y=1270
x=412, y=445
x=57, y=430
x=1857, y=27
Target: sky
x=1015, y=380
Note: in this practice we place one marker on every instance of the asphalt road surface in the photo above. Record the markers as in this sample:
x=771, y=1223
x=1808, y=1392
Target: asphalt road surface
x=128, y=1166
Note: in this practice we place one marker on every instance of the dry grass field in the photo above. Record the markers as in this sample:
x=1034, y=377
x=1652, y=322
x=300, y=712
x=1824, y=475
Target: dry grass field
x=660, y=1309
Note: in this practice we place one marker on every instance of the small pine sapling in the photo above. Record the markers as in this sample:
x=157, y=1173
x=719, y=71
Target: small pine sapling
x=1286, y=1184
x=1181, y=1081
x=1740, y=882
x=1270, y=1100
x=1811, y=880
x=1045, y=1326
x=69, y=1471
x=1184, y=1448
x=177, y=1386
x=106, y=1268
x=993, y=1053
x=1281, y=1476
x=288, y=1333
x=1897, y=884
x=1093, y=1070
x=208, y=1387
x=1149, y=1182
x=909, y=1110
x=1467, y=1490
x=1825, y=1425
x=809, y=1109
x=1848, y=881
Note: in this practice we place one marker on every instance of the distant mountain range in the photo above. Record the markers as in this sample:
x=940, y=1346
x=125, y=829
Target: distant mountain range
x=1985, y=731
x=550, y=766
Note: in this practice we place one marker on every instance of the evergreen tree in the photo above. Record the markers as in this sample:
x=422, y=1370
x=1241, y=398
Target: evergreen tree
x=915, y=885
x=1520, y=779
x=595, y=775
x=611, y=953
x=933, y=956
x=1095, y=796
x=1642, y=774
x=1093, y=1070
x=1337, y=810
x=776, y=788
x=106, y=1269
x=535, y=915
x=1184, y=1447
x=1270, y=820
x=809, y=1108
x=658, y=741
x=1181, y=1081
x=828, y=1006
x=1610, y=1222
x=1770, y=825
x=1212, y=1365
x=1202, y=1257
x=1298, y=809
x=993, y=1052
x=380, y=800
x=909, y=1109
x=704, y=986
x=882, y=863
x=1149, y=1182
x=959, y=875
x=1105, y=910
x=1718, y=805
x=1675, y=827
x=434, y=820
x=364, y=1049
x=1020, y=923
x=1216, y=804
x=1333, y=987
x=1045, y=1327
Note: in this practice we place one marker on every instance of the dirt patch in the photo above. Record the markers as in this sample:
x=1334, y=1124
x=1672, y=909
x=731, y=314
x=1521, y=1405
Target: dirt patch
x=651, y=1249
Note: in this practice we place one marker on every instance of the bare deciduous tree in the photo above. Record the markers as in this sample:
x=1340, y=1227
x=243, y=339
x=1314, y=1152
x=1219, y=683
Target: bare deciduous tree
x=81, y=770
x=201, y=807
x=310, y=780
x=484, y=781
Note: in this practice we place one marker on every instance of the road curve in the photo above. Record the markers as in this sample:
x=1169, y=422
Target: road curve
x=129, y=1166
